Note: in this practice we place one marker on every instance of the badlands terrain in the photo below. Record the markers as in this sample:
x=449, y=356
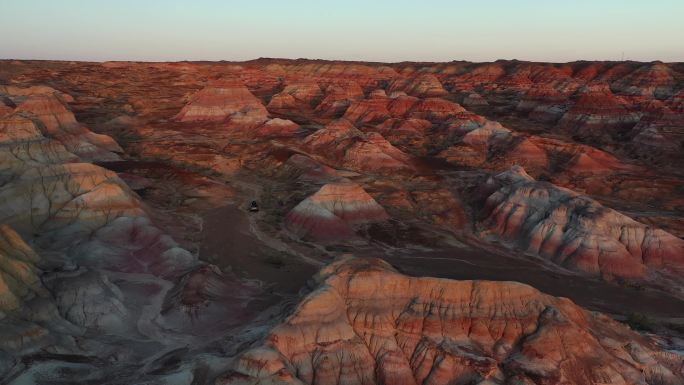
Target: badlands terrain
x=419, y=223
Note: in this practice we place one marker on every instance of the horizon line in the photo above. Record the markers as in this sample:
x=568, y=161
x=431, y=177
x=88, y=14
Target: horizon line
x=343, y=60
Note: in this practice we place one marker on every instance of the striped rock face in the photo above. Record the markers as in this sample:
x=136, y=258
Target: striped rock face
x=597, y=109
x=338, y=97
x=345, y=146
x=19, y=278
x=373, y=110
x=364, y=323
x=296, y=95
x=278, y=127
x=577, y=232
x=423, y=85
x=55, y=121
x=332, y=212
x=54, y=199
x=221, y=100
x=16, y=128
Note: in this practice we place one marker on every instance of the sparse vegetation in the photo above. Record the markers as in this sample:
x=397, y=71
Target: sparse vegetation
x=630, y=284
x=641, y=322
x=276, y=260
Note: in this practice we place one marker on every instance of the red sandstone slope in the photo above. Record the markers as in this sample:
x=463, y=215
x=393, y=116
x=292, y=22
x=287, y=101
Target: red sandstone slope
x=577, y=232
x=19, y=278
x=331, y=212
x=55, y=121
x=364, y=323
x=345, y=146
x=222, y=99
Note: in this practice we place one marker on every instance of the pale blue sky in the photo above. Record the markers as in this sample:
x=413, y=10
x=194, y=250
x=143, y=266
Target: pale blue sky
x=379, y=30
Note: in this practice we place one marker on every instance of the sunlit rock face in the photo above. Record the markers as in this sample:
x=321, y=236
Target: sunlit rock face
x=575, y=231
x=364, y=323
x=421, y=85
x=345, y=146
x=372, y=110
x=338, y=97
x=19, y=276
x=67, y=202
x=223, y=99
x=331, y=213
x=60, y=201
x=23, y=146
x=296, y=96
x=41, y=112
x=278, y=128
x=598, y=112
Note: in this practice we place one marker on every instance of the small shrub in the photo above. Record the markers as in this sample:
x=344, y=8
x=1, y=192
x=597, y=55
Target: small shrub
x=640, y=321
x=276, y=260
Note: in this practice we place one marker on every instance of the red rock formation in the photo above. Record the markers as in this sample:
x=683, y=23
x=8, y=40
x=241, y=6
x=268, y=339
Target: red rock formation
x=16, y=128
x=440, y=207
x=407, y=133
x=474, y=99
x=597, y=113
x=435, y=109
x=57, y=122
x=401, y=104
x=223, y=99
x=487, y=73
x=278, y=127
x=651, y=80
x=331, y=212
x=528, y=154
x=35, y=91
x=337, y=98
x=543, y=103
x=62, y=201
x=23, y=146
x=207, y=301
x=375, y=154
x=343, y=145
x=296, y=96
x=5, y=109
x=364, y=323
x=368, y=111
x=422, y=85
x=476, y=143
x=366, y=76
x=661, y=136
x=306, y=169
x=19, y=276
x=576, y=232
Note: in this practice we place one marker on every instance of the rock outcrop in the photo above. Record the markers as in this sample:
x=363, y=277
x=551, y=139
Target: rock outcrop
x=46, y=112
x=364, y=323
x=337, y=99
x=345, y=146
x=598, y=112
x=68, y=202
x=278, y=127
x=331, y=213
x=221, y=100
x=303, y=168
x=577, y=232
x=19, y=276
x=368, y=111
x=422, y=85
x=296, y=96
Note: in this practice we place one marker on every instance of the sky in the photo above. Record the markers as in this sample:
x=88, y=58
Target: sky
x=368, y=30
